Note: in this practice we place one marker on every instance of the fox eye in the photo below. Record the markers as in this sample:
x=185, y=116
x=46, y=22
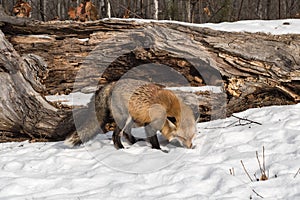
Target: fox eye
x=181, y=138
x=172, y=119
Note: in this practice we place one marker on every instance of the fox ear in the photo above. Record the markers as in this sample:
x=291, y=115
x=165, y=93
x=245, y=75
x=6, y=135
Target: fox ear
x=170, y=123
x=172, y=119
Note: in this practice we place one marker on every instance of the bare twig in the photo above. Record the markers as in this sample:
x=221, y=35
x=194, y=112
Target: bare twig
x=257, y=194
x=218, y=127
x=231, y=171
x=297, y=173
x=264, y=164
x=263, y=176
x=240, y=9
x=248, y=120
x=237, y=123
x=129, y=10
x=261, y=170
x=38, y=7
x=217, y=12
x=246, y=171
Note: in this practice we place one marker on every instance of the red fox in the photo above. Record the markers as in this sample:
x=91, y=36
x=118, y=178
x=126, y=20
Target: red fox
x=134, y=103
x=22, y=9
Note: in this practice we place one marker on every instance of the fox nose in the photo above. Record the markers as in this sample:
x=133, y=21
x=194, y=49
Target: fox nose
x=188, y=145
x=178, y=143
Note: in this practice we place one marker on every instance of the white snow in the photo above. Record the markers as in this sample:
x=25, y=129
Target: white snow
x=42, y=36
x=84, y=40
x=98, y=171
x=75, y=99
x=213, y=89
x=275, y=27
x=82, y=99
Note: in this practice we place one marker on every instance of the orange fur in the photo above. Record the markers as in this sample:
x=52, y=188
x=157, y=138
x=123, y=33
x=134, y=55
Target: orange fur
x=72, y=13
x=84, y=12
x=91, y=11
x=207, y=11
x=135, y=103
x=143, y=109
x=80, y=13
x=127, y=13
x=22, y=9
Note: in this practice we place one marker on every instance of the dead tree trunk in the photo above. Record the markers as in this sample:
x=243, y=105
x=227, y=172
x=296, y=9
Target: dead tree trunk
x=24, y=113
x=253, y=70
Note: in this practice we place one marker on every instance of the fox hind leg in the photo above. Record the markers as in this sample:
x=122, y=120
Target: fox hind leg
x=117, y=138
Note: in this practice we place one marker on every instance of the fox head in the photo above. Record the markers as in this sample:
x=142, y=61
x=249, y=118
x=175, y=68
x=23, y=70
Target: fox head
x=181, y=128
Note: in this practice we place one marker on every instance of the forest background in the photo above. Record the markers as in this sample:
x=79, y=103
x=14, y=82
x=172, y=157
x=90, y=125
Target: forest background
x=195, y=11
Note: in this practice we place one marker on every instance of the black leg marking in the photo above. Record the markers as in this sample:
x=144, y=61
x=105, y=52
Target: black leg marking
x=151, y=134
x=154, y=142
x=130, y=138
x=117, y=138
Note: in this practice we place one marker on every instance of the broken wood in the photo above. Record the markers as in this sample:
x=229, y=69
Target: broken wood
x=24, y=112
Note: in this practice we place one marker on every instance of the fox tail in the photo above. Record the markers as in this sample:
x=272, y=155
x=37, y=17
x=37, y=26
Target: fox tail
x=91, y=120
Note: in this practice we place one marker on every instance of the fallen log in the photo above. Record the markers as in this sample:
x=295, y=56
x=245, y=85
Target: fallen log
x=59, y=57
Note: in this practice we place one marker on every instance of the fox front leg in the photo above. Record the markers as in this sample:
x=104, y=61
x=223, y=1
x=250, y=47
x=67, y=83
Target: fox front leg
x=117, y=137
x=153, y=138
x=151, y=134
x=127, y=130
x=129, y=137
x=158, y=116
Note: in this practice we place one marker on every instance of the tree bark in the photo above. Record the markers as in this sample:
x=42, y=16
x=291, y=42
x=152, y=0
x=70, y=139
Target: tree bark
x=24, y=112
x=253, y=70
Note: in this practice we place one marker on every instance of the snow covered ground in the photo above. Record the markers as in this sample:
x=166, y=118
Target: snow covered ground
x=98, y=171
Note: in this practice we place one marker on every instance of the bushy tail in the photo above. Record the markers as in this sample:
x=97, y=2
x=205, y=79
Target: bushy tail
x=87, y=127
x=91, y=121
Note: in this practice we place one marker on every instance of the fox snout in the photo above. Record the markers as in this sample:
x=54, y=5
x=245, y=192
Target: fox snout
x=188, y=145
x=177, y=141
